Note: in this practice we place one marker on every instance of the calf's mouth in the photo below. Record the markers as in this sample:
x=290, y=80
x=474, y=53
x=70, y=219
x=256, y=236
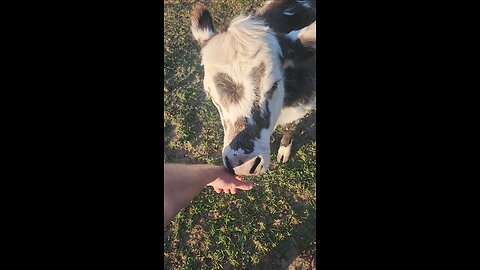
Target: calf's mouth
x=250, y=167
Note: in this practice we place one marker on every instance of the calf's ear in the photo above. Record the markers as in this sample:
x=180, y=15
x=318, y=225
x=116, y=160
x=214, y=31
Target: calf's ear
x=202, y=25
x=308, y=35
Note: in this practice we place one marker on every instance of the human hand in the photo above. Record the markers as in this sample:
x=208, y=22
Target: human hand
x=229, y=183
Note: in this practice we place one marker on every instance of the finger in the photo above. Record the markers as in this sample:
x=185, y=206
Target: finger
x=226, y=191
x=239, y=178
x=247, y=185
x=233, y=191
x=218, y=190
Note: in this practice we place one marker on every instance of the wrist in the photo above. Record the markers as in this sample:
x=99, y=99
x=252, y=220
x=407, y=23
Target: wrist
x=215, y=171
x=210, y=173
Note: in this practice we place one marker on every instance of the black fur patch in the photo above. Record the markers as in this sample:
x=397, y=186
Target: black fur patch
x=229, y=165
x=257, y=161
x=300, y=86
x=300, y=80
x=294, y=50
x=281, y=23
x=229, y=91
x=243, y=136
x=249, y=133
x=202, y=18
x=246, y=137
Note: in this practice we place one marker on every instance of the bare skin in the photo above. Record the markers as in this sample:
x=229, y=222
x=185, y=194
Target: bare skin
x=183, y=182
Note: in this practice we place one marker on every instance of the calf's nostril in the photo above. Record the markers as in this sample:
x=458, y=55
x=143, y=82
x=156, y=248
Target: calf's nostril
x=229, y=166
x=254, y=167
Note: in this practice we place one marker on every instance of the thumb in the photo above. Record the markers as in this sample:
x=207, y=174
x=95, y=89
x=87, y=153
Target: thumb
x=245, y=185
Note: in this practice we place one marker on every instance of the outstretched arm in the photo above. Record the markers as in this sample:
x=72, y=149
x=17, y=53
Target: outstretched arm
x=183, y=182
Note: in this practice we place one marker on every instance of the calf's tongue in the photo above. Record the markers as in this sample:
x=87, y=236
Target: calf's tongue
x=245, y=168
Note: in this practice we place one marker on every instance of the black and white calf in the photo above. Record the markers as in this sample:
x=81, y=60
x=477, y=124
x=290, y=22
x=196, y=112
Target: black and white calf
x=260, y=72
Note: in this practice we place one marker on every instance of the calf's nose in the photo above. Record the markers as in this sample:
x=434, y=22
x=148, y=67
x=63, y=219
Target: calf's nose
x=252, y=166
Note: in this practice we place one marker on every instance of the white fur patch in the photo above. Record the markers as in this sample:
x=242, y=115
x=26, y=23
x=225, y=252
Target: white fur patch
x=291, y=114
x=260, y=149
x=201, y=35
x=284, y=153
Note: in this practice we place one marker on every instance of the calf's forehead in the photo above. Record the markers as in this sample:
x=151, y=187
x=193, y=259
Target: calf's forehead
x=238, y=79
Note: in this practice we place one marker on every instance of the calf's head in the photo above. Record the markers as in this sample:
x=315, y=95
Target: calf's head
x=244, y=79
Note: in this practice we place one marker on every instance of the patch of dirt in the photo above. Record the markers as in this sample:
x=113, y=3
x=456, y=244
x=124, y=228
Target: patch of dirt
x=178, y=155
x=306, y=260
x=300, y=197
x=196, y=238
x=297, y=252
x=292, y=260
x=299, y=203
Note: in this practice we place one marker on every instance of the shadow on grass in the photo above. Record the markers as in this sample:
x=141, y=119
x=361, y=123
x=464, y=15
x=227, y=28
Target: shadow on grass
x=288, y=250
x=178, y=154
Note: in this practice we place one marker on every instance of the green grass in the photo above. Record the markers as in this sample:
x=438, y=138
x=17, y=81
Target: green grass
x=266, y=227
